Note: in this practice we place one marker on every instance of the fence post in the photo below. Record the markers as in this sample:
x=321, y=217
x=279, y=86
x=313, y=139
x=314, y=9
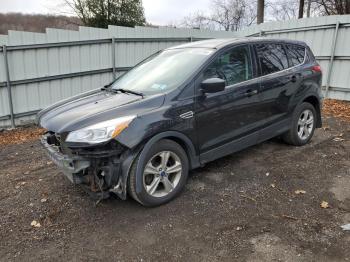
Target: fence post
x=8, y=83
x=113, y=58
x=330, y=66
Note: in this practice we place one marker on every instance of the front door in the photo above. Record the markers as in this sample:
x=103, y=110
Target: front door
x=229, y=115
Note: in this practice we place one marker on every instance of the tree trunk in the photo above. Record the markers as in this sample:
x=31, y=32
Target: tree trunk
x=347, y=7
x=308, y=10
x=260, y=11
x=301, y=8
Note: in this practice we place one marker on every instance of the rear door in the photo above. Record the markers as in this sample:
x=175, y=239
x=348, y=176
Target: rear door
x=278, y=82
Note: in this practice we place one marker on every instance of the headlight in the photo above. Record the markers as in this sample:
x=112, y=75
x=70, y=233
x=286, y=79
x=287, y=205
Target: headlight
x=100, y=132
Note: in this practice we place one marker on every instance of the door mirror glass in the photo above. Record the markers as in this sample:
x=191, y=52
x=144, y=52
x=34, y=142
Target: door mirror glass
x=213, y=85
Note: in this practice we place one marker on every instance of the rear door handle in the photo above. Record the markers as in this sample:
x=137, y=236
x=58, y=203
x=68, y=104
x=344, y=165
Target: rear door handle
x=293, y=78
x=251, y=92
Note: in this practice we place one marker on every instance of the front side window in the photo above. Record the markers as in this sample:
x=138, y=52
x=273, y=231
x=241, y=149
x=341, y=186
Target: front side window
x=164, y=71
x=295, y=54
x=233, y=66
x=272, y=58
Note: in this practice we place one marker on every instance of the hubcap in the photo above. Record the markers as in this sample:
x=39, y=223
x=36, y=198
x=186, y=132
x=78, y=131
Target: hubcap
x=162, y=174
x=305, y=124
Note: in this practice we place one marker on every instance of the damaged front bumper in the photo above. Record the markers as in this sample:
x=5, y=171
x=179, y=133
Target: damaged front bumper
x=70, y=166
x=99, y=170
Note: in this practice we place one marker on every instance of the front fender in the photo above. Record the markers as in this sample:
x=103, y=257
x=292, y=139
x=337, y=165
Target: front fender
x=130, y=155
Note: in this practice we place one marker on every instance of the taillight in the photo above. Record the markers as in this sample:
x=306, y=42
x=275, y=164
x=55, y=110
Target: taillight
x=316, y=69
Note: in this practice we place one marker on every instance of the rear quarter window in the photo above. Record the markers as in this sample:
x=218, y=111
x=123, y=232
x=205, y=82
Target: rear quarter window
x=272, y=57
x=296, y=54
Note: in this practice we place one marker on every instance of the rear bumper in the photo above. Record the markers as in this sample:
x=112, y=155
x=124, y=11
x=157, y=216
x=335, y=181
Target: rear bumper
x=70, y=166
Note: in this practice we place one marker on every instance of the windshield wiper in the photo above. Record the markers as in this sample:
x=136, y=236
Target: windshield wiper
x=128, y=91
x=107, y=87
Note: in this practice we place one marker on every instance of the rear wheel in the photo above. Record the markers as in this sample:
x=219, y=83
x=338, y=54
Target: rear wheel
x=164, y=174
x=303, y=125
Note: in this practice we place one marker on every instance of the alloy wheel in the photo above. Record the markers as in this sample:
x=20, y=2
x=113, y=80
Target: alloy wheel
x=162, y=173
x=305, y=124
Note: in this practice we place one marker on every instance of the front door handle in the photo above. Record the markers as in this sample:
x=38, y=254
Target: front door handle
x=251, y=92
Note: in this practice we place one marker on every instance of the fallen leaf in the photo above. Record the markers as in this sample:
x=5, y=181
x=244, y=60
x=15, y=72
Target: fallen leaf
x=35, y=224
x=27, y=173
x=324, y=204
x=346, y=227
x=336, y=108
x=298, y=192
x=19, y=135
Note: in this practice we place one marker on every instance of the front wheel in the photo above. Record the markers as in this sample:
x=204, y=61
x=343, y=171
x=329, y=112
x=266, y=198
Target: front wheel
x=164, y=174
x=303, y=125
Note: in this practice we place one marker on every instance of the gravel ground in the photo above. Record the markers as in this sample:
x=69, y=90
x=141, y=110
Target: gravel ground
x=262, y=204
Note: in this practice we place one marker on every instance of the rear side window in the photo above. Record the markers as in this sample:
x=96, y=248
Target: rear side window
x=272, y=58
x=295, y=54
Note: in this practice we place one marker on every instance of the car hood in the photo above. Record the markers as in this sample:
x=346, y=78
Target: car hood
x=94, y=107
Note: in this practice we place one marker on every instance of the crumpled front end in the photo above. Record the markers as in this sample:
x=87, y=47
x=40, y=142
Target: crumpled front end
x=98, y=169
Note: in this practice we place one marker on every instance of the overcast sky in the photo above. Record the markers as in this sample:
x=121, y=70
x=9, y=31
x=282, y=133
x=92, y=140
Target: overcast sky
x=159, y=12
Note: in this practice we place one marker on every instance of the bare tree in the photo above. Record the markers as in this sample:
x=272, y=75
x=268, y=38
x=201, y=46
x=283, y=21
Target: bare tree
x=333, y=7
x=231, y=14
x=301, y=8
x=289, y=9
x=228, y=15
x=260, y=11
x=308, y=9
x=198, y=20
x=282, y=10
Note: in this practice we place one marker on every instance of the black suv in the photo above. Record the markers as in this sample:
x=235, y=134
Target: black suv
x=181, y=108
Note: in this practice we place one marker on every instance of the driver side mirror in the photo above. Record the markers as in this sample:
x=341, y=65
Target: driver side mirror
x=213, y=85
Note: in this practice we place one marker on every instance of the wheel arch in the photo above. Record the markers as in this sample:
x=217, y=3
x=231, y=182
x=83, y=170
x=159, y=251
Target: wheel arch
x=175, y=136
x=314, y=100
x=180, y=139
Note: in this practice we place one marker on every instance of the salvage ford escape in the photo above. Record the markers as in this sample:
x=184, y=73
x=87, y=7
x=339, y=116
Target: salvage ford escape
x=181, y=108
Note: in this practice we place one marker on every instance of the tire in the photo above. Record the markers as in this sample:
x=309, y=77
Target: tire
x=151, y=181
x=293, y=136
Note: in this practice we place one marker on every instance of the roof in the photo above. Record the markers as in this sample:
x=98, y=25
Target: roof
x=222, y=42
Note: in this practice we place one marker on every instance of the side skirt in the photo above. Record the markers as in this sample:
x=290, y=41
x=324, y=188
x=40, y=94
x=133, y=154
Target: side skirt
x=246, y=141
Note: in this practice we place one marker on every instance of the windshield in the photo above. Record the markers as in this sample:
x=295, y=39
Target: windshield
x=164, y=71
